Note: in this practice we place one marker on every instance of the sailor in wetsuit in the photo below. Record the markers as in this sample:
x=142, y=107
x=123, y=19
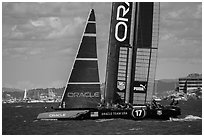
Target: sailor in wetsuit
x=174, y=103
x=155, y=104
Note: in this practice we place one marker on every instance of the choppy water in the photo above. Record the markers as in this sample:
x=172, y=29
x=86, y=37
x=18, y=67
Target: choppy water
x=20, y=119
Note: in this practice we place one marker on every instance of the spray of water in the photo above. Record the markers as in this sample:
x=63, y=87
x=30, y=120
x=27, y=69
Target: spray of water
x=187, y=118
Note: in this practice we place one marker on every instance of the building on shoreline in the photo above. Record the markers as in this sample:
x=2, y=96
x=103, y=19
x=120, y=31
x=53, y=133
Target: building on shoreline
x=192, y=81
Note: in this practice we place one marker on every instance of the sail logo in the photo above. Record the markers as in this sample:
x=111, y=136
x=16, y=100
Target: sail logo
x=121, y=27
x=83, y=94
x=140, y=86
x=121, y=85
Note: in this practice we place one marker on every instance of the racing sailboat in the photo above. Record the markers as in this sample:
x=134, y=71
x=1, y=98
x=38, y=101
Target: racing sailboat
x=131, y=65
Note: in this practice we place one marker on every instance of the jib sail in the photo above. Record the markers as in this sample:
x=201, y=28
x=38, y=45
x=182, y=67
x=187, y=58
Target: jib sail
x=83, y=87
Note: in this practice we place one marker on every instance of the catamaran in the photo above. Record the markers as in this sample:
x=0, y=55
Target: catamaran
x=130, y=70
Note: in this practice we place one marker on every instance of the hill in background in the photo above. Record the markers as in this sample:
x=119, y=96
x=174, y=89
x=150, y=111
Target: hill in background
x=161, y=88
x=165, y=85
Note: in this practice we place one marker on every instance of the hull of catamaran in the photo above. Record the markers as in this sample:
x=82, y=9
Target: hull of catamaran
x=136, y=113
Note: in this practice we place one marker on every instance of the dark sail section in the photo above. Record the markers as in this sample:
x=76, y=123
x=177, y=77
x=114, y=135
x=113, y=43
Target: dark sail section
x=89, y=52
x=92, y=16
x=118, y=49
x=145, y=52
x=89, y=73
x=83, y=87
x=91, y=28
x=145, y=25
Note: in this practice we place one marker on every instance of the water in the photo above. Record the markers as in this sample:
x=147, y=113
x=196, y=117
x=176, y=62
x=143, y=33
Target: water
x=20, y=119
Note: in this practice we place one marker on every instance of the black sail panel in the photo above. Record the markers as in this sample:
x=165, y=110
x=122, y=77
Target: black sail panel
x=91, y=28
x=145, y=25
x=83, y=87
x=87, y=48
x=84, y=71
x=92, y=16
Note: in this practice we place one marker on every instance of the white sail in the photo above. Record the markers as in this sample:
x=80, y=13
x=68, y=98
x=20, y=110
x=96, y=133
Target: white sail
x=25, y=94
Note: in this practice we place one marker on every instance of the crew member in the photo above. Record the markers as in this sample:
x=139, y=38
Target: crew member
x=174, y=103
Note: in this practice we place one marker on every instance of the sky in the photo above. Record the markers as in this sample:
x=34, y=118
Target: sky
x=40, y=40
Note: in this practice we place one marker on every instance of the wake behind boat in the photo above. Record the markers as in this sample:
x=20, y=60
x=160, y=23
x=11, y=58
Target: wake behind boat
x=130, y=72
